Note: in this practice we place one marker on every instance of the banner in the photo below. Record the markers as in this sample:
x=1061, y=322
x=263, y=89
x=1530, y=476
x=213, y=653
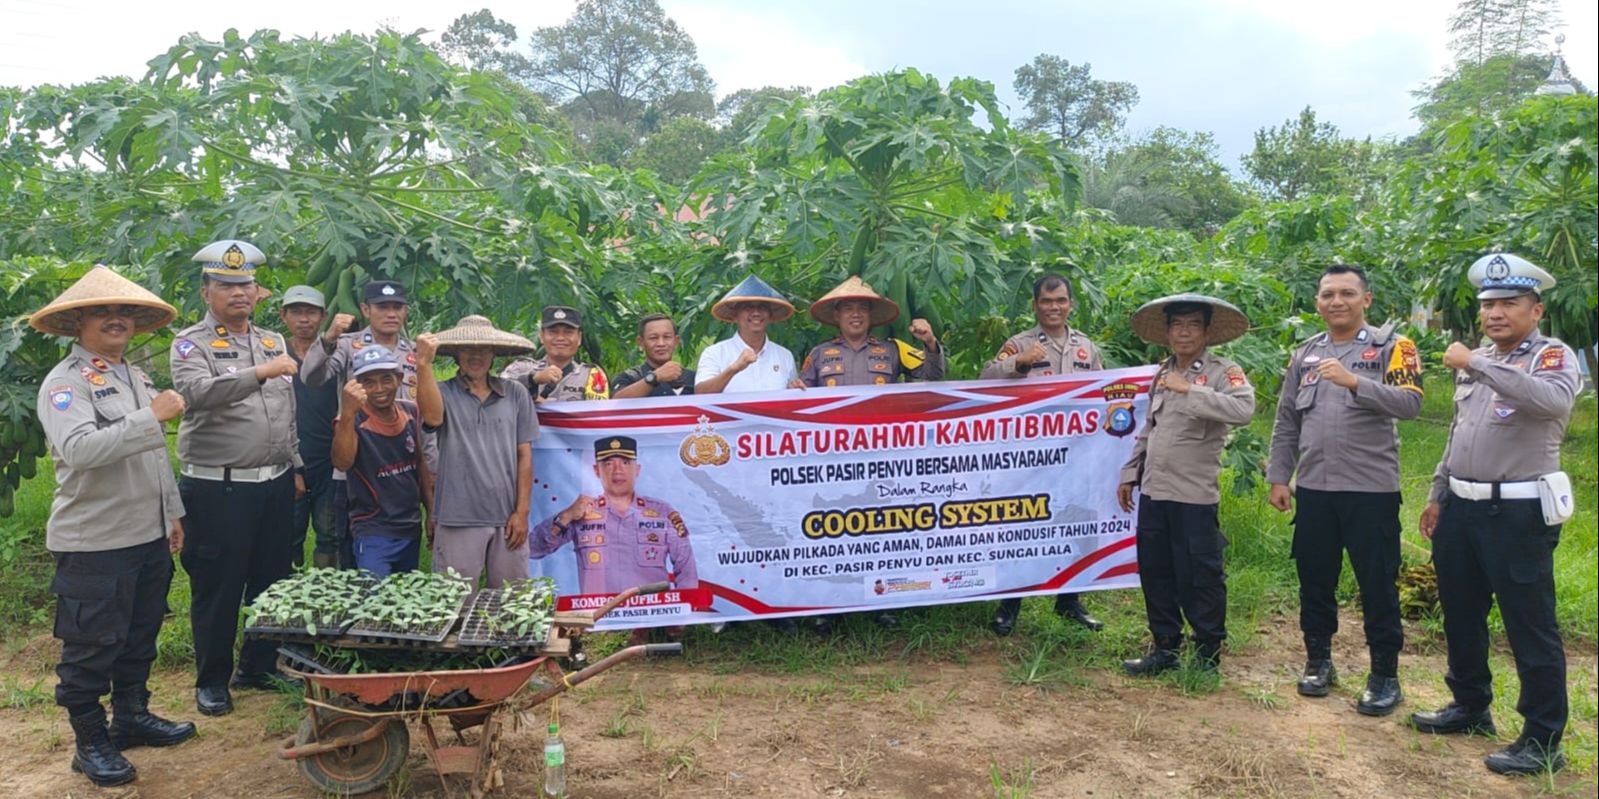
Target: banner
x=792, y=503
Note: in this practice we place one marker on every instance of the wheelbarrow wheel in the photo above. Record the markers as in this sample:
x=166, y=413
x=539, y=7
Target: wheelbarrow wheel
x=355, y=769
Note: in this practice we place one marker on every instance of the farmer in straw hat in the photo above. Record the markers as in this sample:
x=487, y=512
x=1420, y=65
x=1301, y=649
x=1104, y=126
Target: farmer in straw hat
x=857, y=358
x=116, y=519
x=1196, y=399
x=749, y=361
x=485, y=426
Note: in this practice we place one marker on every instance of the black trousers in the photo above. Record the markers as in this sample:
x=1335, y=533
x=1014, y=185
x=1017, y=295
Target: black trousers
x=109, y=607
x=1180, y=568
x=1485, y=550
x=1366, y=525
x=236, y=543
x=341, y=523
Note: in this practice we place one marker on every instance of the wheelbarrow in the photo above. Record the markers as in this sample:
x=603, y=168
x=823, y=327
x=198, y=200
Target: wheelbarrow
x=348, y=743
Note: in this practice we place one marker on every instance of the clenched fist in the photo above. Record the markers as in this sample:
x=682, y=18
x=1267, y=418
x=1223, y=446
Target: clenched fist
x=281, y=366
x=167, y=405
x=745, y=359
x=427, y=346
x=669, y=371
x=340, y=325
x=1457, y=356
x=547, y=375
x=354, y=395
x=923, y=332
x=1033, y=354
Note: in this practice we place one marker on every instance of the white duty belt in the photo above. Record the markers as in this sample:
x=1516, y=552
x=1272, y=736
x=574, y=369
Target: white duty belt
x=1466, y=489
x=256, y=474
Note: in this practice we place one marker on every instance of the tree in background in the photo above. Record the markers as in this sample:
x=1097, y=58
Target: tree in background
x=1187, y=164
x=620, y=68
x=1123, y=182
x=736, y=112
x=1066, y=101
x=1302, y=157
x=483, y=41
x=1482, y=29
x=676, y=151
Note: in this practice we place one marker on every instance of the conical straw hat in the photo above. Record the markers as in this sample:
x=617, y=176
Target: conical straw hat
x=753, y=289
x=1226, y=321
x=825, y=310
x=101, y=286
x=478, y=331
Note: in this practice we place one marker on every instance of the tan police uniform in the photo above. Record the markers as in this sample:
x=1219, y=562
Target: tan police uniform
x=1074, y=353
x=239, y=447
x=580, y=381
x=1341, y=448
x=875, y=362
x=1493, y=544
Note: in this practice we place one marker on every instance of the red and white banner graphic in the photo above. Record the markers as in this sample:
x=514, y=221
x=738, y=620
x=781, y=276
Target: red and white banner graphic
x=796, y=503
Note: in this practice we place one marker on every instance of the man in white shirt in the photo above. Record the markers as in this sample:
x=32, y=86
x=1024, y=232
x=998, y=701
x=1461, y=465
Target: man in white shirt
x=748, y=361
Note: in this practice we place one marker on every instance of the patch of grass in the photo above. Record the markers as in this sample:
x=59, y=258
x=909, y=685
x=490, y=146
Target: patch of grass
x=17, y=695
x=1013, y=783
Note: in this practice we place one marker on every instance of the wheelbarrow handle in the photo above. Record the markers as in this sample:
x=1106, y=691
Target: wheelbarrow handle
x=662, y=650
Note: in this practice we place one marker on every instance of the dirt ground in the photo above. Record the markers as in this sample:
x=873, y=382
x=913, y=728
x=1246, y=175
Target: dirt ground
x=664, y=729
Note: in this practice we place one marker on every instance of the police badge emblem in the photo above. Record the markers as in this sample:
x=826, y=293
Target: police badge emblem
x=1119, y=417
x=704, y=447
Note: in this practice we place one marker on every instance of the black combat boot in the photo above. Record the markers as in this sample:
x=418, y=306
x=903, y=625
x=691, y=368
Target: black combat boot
x=1207, y=655
x=1526, y=757
x=1319, y=676
x=1382, y=692
x=1452, y=719
x=132, y=723
x=95, y=757
x=1160, y=656
x=1071, y=608
x=1005, y=617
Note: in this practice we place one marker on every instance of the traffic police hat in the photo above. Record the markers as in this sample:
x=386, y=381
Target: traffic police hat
x=230, y=261
x=1499, y=274
x=615, y=447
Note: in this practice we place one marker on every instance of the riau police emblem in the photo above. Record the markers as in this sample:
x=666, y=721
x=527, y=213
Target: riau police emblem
x=1119, y=417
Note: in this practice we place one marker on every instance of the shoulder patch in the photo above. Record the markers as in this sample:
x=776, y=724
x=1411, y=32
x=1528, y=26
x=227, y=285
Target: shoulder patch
x=61, y=397
x=1404, y=366
x=183, y=347
x=677, y=524
x=1236, y=377
x=1008, y=350
x=910, y=358
x=597, y=387
x=1553, y=358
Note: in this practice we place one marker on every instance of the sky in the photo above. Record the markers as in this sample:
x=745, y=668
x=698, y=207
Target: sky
x=1229, y=67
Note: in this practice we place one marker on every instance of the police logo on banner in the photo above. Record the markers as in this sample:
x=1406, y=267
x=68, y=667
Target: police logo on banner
x=1119, y=417
x=704, y=447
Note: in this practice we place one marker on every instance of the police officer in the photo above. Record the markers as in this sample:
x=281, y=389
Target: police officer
x=303, y=311
x=385, y=307
x=621, y=539
x=559, y=376
x=1492, y=536
x=1197, y=397
x=239, y=447
x=857, y=358
x=115, y=521
x=1341, y=397
x=1048, y=348
x=660, y=375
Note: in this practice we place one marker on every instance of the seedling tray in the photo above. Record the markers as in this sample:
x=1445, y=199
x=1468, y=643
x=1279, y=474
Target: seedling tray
x=431, y=634
x=478, y=628
x=331, y=626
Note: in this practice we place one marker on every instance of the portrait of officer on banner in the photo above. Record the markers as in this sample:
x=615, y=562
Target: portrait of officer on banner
x=621, y=539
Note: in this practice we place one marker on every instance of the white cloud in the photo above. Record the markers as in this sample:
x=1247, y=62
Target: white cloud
x=754, y=46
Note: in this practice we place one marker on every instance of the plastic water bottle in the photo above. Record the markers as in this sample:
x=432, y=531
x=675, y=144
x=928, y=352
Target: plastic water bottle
x=554, y=763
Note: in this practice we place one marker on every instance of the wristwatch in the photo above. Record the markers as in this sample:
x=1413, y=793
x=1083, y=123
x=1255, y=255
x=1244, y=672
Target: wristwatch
x=650, y=379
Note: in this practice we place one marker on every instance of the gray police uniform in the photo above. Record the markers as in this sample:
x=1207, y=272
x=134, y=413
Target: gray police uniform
x=239, y=446
x=115, y=501
x=875, y=362
x=1491, y=542
x=1344, y=446
x=1176, y=463
x=579, y=381
x=1074, y=353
